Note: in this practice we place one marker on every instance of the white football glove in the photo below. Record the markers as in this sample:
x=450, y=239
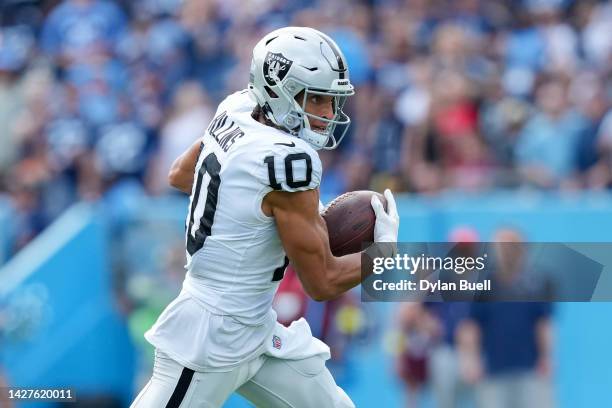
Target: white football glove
x=387, y=223
x=321, y=207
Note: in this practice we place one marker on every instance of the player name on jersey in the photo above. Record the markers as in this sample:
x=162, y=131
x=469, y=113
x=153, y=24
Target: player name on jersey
x=225, y=134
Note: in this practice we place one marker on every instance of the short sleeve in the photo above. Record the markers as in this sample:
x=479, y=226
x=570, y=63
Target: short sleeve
x=290, y=168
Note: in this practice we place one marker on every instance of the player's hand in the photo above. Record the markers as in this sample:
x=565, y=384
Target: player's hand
x=387, y=222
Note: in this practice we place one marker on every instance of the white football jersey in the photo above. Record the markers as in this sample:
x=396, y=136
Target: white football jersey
x=235, y=258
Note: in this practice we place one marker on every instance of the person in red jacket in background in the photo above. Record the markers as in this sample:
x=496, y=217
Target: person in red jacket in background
x=290, y=302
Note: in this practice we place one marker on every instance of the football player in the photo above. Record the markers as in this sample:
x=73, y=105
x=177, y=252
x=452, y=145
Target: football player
x=254, y=206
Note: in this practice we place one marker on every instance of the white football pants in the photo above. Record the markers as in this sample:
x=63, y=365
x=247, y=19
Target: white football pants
x=267, y=382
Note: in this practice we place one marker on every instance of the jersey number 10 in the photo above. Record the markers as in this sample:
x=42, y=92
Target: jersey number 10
x=291, y=182
x=212, y=166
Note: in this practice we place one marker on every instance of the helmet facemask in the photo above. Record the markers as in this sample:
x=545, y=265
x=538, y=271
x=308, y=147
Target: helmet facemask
x=298, y=121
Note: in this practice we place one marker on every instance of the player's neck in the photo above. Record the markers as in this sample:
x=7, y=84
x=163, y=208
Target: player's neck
x=260, y=117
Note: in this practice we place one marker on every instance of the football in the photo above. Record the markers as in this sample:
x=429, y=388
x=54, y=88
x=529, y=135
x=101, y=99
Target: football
x=350, y=221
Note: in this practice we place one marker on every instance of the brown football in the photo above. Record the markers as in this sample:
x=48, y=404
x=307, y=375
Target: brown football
x=350, y=221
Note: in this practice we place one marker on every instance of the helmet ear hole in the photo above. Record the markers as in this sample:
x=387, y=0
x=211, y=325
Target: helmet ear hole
x=270, y=92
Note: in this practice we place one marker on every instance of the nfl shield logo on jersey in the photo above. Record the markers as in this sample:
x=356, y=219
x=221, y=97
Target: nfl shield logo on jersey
x=275, y=67
x=276, y=342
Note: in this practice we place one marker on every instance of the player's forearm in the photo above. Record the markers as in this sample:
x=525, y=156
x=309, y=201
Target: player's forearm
x=328, y=276
x=182, y=170
x=323, y=276
x=343, y=274
x=328, y=279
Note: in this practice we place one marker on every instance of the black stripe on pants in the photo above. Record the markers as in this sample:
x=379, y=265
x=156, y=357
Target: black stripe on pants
x=181, y=388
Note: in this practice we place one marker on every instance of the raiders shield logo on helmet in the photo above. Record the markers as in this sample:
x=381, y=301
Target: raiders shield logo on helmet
x=275, y=66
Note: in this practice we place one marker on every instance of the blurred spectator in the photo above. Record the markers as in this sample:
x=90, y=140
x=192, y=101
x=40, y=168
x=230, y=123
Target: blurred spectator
x=3, y=384
x=588, y=93
x=343, y=322
x=15, y=45
x=451, y=141
x=290, y=301
x=449, y=389
x=387, y=133
x=505, y=347
x=188, y=118
x=597, y=33
x=545, y=151
x=600, y=175
x=78, y=30
x=418, y=331
x=559, y=37
x=501, y=122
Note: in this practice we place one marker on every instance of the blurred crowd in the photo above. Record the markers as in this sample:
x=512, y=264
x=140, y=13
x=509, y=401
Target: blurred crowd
x=465, y=94
x=98, y=97
x=480, y=354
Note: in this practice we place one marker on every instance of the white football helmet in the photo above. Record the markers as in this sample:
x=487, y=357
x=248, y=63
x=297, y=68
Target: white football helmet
x=295, y=59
